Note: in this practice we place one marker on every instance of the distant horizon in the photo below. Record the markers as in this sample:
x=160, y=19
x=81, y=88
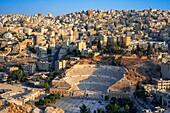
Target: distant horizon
x=56, y=8
x=84, y=10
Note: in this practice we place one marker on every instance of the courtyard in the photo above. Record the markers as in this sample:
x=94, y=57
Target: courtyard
x=72, y=105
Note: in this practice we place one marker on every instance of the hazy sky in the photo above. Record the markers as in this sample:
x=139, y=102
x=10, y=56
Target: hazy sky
x=57, y=7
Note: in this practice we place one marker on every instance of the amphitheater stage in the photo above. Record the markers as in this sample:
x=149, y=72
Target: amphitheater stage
x=72, y=105
x=92, y=77
x=90, y=80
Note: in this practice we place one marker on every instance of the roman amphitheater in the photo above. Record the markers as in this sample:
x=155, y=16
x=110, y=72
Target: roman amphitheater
x=90, y=81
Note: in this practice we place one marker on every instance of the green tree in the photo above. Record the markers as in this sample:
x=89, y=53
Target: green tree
x=150, y=49
x=51, y=75
x=52, y=99
x=120, y=44
x=120, y=106
x=40, y=102
x=88, y=34
x=115, y=107
x=17, y=76
x=99, y=44
x=106, y=97
x=84, y=109
x=126, y=108
x=140, y=54
x=49, y=51
x=140, y=92
x=48, y=99
x=45, y=85
x=114, y=62
x=165, y=103
x=99, y=110
x=32, y=49
x=108, y=107
x=24, y=77
x=57, y=96
x=61, y=37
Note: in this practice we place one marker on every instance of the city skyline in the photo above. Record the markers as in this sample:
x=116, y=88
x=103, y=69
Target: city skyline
x=84, y=57
x=30, y=7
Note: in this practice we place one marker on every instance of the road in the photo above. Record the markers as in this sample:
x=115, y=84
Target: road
x=55, y=58
x=149, y=106
x=138, y=105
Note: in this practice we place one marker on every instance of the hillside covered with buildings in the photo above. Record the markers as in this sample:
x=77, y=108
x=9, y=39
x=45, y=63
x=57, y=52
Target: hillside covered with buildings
x=95, y=54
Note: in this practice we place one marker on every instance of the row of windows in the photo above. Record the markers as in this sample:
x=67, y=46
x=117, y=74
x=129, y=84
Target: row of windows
x=163, y=85
x=60, y=92
x=164, y=82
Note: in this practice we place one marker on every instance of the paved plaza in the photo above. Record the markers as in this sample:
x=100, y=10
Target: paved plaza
x=72, y=105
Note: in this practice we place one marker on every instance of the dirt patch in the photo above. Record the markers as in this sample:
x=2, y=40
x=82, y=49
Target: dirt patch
x=140, y=69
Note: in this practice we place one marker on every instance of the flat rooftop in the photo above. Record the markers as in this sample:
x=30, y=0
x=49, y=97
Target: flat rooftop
x=8, y=86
